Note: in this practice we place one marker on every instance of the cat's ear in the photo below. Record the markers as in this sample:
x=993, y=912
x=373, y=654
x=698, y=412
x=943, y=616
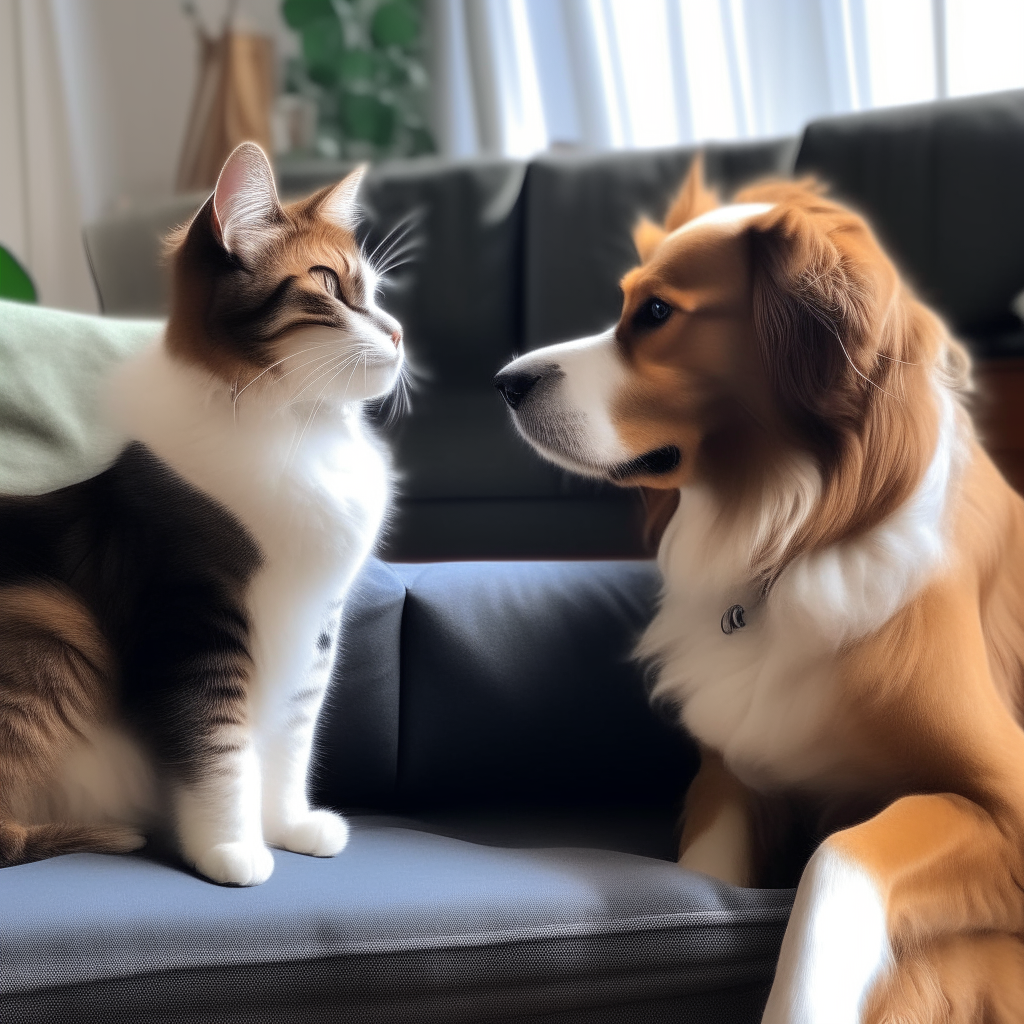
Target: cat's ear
x=339, y=205
x=245, y=198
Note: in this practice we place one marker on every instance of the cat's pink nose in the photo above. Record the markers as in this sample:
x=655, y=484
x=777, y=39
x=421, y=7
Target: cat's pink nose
x=396, y=337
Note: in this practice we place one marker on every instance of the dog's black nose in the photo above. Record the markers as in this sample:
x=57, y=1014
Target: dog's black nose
x=514, y=387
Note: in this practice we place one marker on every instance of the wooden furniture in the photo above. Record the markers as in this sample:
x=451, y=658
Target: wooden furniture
x=999, y=413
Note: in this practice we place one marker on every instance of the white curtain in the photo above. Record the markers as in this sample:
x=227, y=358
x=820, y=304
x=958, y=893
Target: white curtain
x=514, y=77
x=39, y=208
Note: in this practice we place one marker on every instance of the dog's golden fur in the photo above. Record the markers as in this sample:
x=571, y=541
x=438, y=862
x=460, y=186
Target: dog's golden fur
x=799, y=422
x=801, y=336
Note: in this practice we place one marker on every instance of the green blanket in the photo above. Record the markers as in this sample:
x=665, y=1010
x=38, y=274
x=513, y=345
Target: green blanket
x=52, y=366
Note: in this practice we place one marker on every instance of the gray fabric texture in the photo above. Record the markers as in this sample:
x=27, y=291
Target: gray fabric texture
x=401, y=917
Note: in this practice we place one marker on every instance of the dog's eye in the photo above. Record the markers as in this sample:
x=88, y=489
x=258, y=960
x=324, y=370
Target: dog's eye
x=652, y=313
x=327, y=279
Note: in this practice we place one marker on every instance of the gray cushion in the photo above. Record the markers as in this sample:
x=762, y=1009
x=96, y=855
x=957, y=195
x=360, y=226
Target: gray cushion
x=404, y=925
x=470, y=685
x=518, y=688
x=940, y=183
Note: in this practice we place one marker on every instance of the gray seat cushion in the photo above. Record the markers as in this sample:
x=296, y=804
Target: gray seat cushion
x=404, y=925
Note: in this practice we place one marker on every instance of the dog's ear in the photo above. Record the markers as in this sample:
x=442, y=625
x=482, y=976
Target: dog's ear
x=647, y=236
x=812, y=318
x=693, y=197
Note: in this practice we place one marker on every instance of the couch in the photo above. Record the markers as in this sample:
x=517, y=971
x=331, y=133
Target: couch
x=511, y=254
x=514, y=796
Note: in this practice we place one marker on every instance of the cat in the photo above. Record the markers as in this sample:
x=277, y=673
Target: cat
x=168, y=627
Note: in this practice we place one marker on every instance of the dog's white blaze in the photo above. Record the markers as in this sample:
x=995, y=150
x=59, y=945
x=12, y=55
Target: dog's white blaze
x=731, y=214
x=593, y=373
x=312, y=496
x=836, y=946
x=723, y=849
x=762, y=695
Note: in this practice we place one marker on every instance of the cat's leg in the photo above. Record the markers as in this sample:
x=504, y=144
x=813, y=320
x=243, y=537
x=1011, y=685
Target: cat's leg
x=287, y=732
x=55, y=684
x=198, y=715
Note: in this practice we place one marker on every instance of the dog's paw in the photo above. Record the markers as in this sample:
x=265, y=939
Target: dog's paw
x=244, y=863
x=317, y=833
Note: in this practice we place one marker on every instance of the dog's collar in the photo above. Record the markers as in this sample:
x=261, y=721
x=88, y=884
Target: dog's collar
x=732, y=619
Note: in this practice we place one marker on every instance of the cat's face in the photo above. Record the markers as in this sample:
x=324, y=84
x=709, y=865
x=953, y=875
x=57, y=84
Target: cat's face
x=278, y=300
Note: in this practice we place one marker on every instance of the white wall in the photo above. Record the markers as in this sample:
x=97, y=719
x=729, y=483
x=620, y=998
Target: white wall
x=130, y=68
x=94, y=99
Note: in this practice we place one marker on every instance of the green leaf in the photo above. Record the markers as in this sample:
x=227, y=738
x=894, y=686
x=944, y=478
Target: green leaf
x=357, y=66
x=323, y=48
x=299, y=13
x=366, y=118
x=395, y=24
x=14, y=280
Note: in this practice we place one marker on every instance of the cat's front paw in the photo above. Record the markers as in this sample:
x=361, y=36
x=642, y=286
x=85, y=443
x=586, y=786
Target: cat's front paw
x=236, y=863
x=317, y=833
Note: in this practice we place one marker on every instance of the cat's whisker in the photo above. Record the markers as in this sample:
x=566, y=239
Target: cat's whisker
x=404, y=225
x=319, y=402
x=405, y=241
x=291, y=355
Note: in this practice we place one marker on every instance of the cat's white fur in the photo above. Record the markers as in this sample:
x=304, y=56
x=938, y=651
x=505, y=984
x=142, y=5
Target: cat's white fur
x=311, y=487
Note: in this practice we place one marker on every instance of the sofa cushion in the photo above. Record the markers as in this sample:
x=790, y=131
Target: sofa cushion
x=940, y=184
x=519, y=688
x=51, y=367
x=404, y=925
x=498, y=685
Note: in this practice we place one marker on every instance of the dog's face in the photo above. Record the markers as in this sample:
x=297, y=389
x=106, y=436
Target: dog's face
x=748, y=330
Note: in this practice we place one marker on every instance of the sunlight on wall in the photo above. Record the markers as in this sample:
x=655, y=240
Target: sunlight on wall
x=712, y=108
x=901, y=52
x=640, y=33
x=985, y=40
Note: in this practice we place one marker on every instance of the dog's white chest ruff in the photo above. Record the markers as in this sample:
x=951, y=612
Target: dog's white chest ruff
x=763, y=694
x=760, y=694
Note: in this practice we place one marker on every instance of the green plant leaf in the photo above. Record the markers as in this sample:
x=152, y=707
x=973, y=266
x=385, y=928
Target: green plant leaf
x=14, y=280
x=323, y=48
x=299, y=13
x=395, y=24
x=366, y=118
x=357, y=66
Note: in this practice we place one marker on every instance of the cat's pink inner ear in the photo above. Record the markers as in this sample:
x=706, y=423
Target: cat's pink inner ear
x=245, y=197
x=339, y=206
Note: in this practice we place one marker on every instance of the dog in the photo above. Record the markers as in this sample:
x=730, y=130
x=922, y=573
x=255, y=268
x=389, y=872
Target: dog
x=842, y=617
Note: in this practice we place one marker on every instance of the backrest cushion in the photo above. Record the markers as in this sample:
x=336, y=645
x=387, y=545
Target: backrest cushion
x=519, y=689
x=580, y=214
x=941, y=185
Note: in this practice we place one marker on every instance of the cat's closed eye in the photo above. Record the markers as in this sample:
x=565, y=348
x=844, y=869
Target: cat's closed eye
x=327, y=279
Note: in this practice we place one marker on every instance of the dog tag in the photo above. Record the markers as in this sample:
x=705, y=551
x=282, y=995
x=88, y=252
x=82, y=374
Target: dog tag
x=733, y=619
